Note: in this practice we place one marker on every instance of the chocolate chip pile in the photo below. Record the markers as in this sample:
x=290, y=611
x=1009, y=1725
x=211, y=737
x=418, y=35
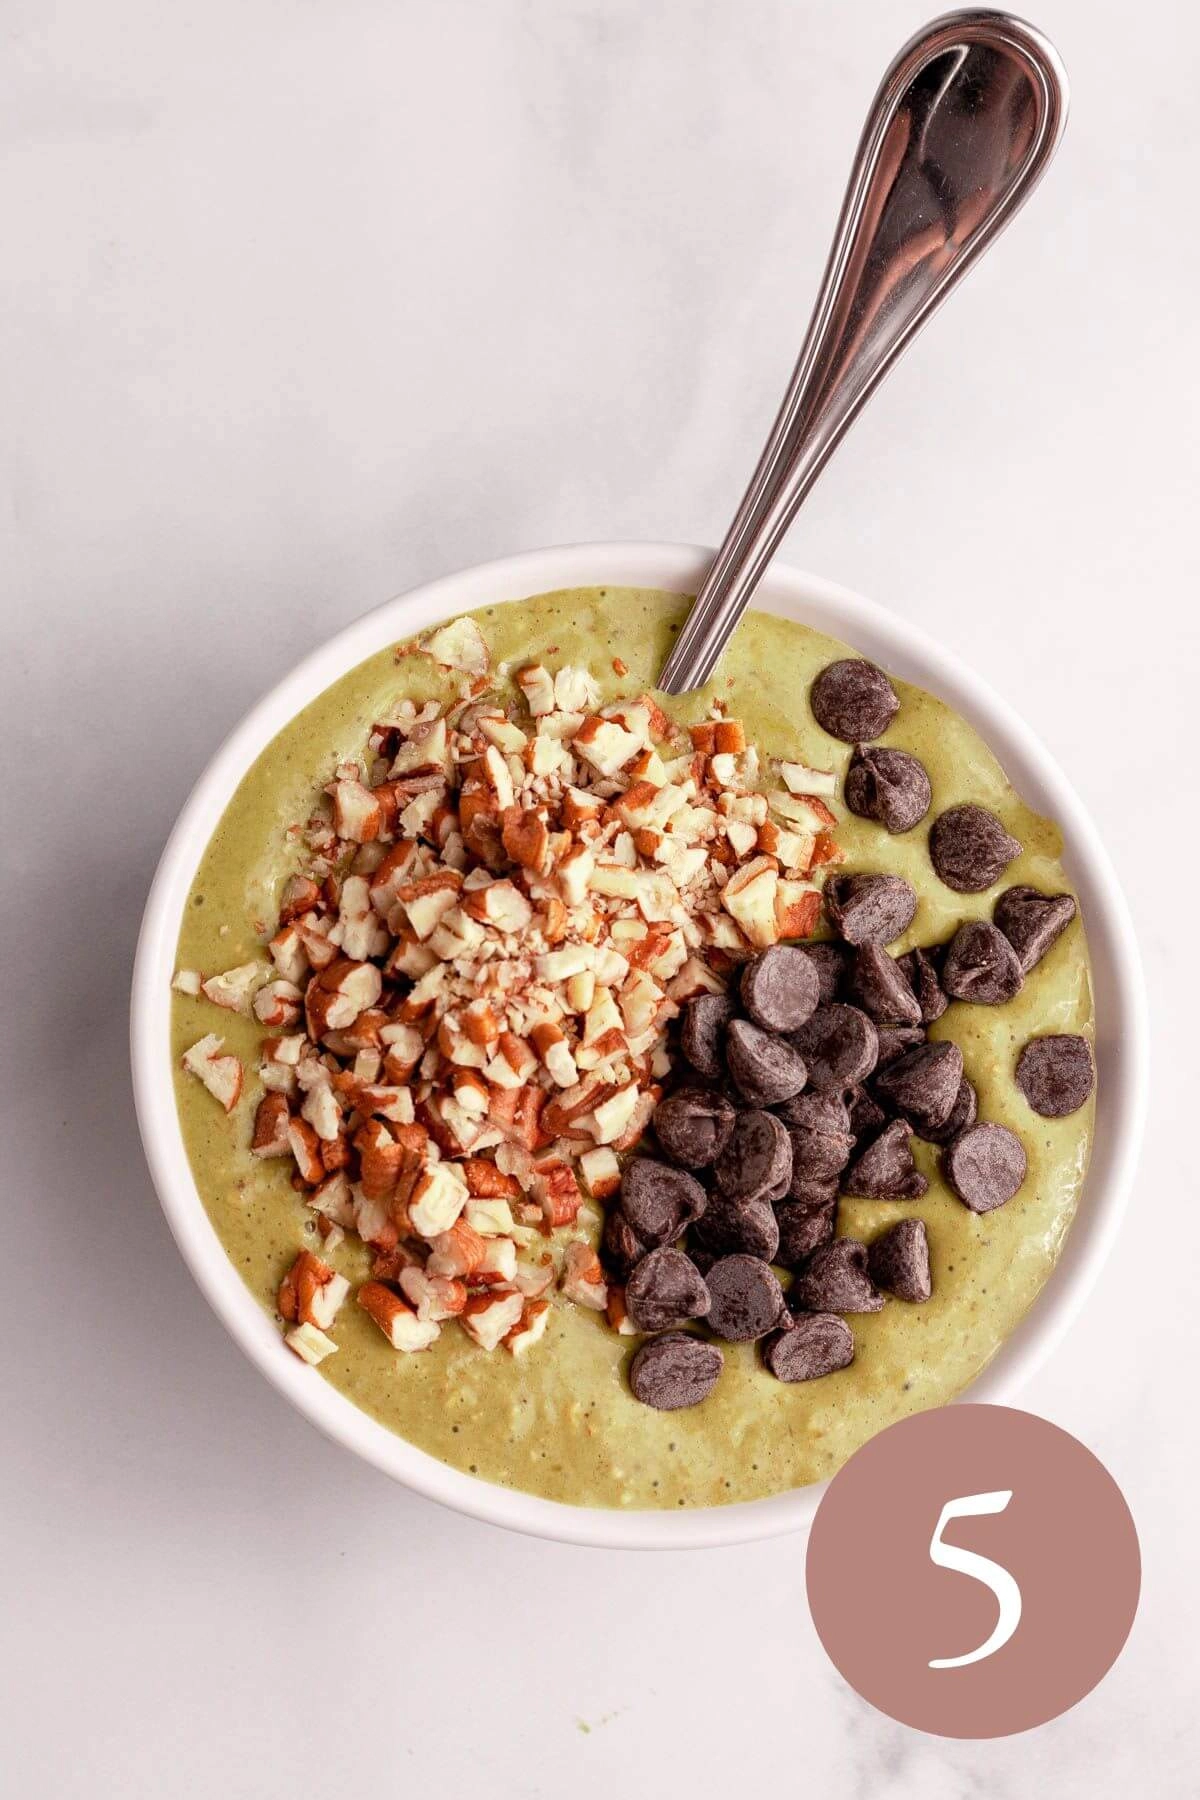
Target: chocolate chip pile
x=758, y=1144
x=811, y=1079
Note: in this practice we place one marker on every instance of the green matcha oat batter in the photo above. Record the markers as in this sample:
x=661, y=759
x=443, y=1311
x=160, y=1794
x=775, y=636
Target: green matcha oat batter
x=561, y=1421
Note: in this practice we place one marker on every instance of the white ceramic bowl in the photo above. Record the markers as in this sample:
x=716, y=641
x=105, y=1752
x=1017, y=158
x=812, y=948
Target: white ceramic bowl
x=1121, y=1047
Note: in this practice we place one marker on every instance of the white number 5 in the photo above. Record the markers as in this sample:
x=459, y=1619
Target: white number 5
x=979, y=1568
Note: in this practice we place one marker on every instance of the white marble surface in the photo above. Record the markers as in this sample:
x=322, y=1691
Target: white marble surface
x=304, y=301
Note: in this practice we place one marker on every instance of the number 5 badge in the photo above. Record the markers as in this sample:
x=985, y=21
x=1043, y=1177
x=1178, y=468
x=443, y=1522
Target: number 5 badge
x=973, y=1571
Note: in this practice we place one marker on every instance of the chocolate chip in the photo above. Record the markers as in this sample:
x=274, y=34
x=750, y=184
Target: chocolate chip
x=665, y=1289
x=879, y=985
x=811, y=1111
x=757, y=1158
x=765, y=1069
x=870, y=909
x=693, y=1125
x=746, y=1298
x=835, y=1279
x=821, y=1138
x=894, y=1040
x=780, y=988
x=853, y=700
x=702, y=1033
x=817, y=1344
x=981, y=966
x=921, y=972
x=675, y=1371
x=922, y=1085
x=811, y=1190
x=1031, y=921
x=839, y=1045
x=963, y=1113
x=732, y=1225
x=888, y=786
x=703, y=1259
x=970, y=849
x=898, y=1260
x=620, y=1246
x=1056, y=1074
x=985, y=1166
x=867, y=1117
x=829, y=959
x=818, y=1156
x=886, y=1170
x=802, y=1229
x=659, y=1200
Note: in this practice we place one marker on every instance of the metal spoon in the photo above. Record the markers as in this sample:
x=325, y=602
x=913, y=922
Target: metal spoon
x=964, y=123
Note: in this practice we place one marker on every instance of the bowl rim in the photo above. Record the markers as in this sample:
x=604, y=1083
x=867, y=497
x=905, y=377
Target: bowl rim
x=1122, y=1036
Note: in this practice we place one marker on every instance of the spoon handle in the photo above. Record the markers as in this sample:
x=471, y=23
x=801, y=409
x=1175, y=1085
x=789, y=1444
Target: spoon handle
x=964, y=123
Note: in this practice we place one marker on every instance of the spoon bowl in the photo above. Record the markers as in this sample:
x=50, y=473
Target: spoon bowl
x=1121, y=1044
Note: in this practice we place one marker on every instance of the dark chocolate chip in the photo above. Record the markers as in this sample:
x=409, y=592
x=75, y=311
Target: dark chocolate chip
x=674, y=1371
x=693, y=1125
x=829, y=959
x=985, y=1165
x=703, y=1259
x=659, y=1200
x=702, y=1033
x=853, y=700
x=757, y=1158
x=821, y=1150
x=812, y=1190
x=878, y=984
x=1056, y=1074
x=817, y=1157
x=886, y=1170
x=898, y=1260
x=970, y=849
x=780, y=989
x=732, y=1225
x=811, y=1111
x=1031, y=921
x=981, y=966
x=921, y=971
x=802, y=1229
x=765, y=1069
x=964, y=1112
x=839, y=1045
x=620, y=1246
x=817, y=1344
x=665, y=1289
x=835, y=1279
x=870, y=909
x=746, y=1298
x=867, y=1117
x=895, y=1040
x=922, y=1085
x=888, y=786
